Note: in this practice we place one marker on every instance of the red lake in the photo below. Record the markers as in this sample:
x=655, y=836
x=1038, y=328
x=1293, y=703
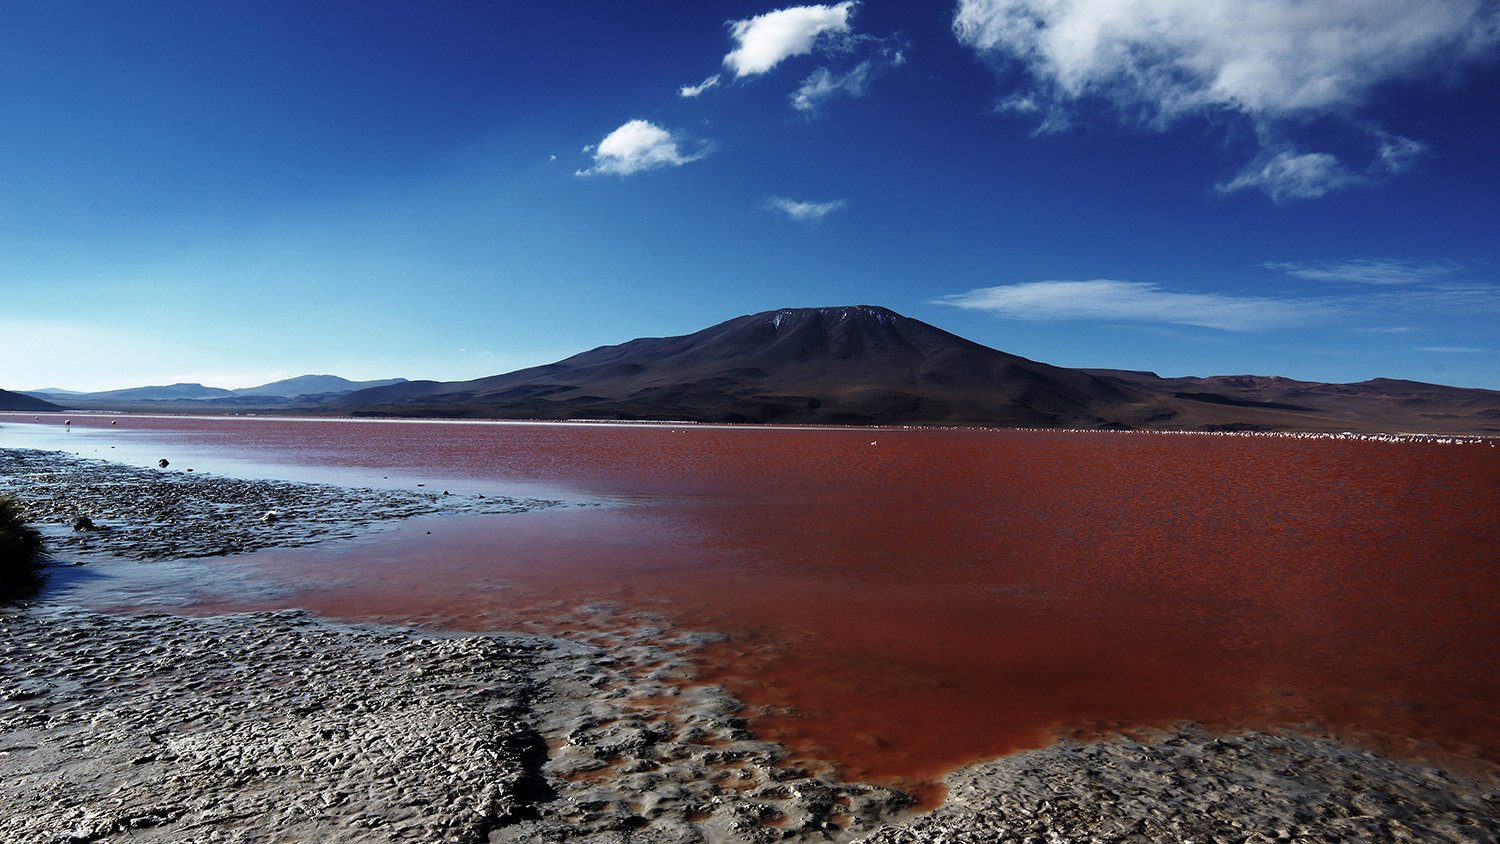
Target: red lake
x=900, y=602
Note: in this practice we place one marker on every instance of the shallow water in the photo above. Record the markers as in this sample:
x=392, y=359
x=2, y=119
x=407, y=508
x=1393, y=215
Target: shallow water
x=900, y=602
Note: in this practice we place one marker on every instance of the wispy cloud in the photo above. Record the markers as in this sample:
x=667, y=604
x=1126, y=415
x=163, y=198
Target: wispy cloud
x=1369, y=296
x=805, y=212
x=1394, y=290
x=1287, y=175
x=636, y=147
x=1378, y=271
x=1134, y=301
x=1276, y=63
x=824, y=84
x=1396, y=153
x=690, y=91
x=764, y=41
x=1457, y=350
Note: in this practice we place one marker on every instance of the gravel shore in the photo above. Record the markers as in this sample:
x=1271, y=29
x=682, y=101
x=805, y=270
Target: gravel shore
x=285, y=727
x=151, y=513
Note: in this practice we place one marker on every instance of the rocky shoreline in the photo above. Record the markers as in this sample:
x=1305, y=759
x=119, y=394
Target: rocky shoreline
x=285, y=727
x=1191, y=785
x=157, y=513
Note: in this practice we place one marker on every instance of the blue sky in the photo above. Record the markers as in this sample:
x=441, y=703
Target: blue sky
x=236, y=192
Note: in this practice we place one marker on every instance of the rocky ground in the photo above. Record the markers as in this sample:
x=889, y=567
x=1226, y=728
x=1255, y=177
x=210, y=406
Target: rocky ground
x=1190, y=785
x=283, y=727
x=640, y=753
x=267, y=727
x=154, y=513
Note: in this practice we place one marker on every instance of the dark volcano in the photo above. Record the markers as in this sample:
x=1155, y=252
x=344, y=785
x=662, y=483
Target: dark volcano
x=859, y=365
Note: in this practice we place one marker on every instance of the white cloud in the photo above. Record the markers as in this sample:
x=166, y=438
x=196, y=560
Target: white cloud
x=635, y=147
x=806, y=212
x=766, y=40
x=1457, y=350
x=1276, y=63
x=1256, y=56
x=1288, y=175
x=1136, y=301
x=690, y=91
x=1379, y=271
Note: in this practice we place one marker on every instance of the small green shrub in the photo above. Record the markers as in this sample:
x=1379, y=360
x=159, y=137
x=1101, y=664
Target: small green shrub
x=20, y=552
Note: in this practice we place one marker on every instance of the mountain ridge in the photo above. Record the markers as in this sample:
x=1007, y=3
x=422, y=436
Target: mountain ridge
x=856, y=364
x=866, y=364
x=12, y=400
x=315, y=387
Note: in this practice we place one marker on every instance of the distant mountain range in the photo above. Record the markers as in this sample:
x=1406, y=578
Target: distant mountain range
x=854, y=365
x=304, y=389
x=314, y=385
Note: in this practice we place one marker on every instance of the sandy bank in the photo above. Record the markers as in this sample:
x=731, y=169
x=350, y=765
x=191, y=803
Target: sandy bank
x=258, y=727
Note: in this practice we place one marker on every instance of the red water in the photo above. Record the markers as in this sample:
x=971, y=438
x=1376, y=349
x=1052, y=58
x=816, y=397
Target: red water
x=923, y=599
